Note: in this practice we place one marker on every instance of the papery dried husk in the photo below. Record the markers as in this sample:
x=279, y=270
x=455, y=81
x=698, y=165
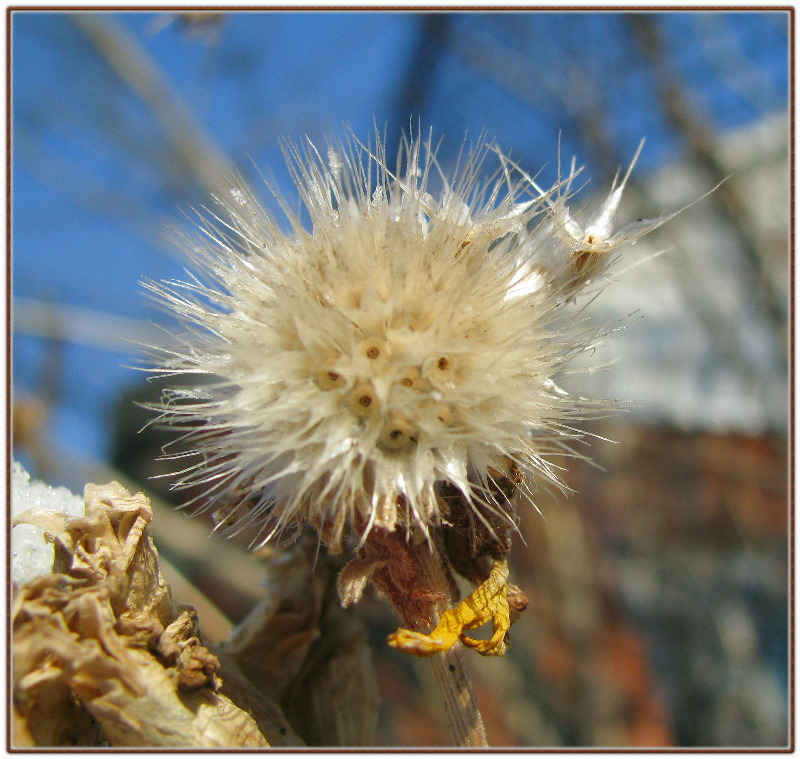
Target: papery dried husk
x=267, y=714
x=335, y=697
x=101, y=656
x=301, y=648
x=272, y=642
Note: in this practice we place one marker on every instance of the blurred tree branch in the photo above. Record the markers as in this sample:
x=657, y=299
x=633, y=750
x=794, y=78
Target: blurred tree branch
x=515, y=72
x=131, y=62
x=700, y=145
x=423, y=64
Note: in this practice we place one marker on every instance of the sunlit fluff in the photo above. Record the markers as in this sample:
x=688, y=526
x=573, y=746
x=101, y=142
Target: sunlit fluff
x=398, y=341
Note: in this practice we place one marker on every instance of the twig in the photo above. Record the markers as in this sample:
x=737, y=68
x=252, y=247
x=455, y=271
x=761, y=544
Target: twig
x=131, y=62
x=451, y=673
x=63, y=322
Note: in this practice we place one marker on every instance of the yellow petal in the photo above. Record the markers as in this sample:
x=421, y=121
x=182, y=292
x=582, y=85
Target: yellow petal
x=488, y=603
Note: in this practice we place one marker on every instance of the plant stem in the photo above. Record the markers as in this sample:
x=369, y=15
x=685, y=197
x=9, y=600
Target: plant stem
x=450, y=670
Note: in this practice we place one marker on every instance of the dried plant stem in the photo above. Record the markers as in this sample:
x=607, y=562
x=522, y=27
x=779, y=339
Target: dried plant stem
x=455, y=686
x=451, y=673
x=137, y=68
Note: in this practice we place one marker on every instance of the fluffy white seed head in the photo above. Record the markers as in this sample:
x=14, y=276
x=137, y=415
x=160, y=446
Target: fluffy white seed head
x=399, y=337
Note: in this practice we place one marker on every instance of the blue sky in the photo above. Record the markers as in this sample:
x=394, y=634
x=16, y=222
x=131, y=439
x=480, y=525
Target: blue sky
x=95, y=179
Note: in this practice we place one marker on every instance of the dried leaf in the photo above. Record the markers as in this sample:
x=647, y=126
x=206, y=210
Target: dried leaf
x=101, y=655
x=273, y=641
x=302, y=648
x=334, y=700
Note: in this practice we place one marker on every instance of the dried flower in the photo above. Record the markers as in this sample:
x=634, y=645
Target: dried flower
x=385, y=369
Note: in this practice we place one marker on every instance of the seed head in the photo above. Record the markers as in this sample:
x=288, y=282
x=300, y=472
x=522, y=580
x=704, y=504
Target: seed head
x=392, y=351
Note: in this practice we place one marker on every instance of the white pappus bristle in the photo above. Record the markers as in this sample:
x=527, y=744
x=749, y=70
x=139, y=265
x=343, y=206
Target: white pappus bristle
x=400, y=339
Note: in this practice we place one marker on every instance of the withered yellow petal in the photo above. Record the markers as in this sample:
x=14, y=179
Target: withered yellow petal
x=488, y=603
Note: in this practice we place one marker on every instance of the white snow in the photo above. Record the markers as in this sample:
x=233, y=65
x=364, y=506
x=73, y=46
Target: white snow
x=31, y=555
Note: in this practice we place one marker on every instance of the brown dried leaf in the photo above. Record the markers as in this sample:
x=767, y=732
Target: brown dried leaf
x=100, y=652
x=302, y=648
x=273, y=641
x=334, y=700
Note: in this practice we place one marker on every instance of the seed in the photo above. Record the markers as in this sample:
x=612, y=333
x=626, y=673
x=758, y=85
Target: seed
x=363, y=401
x=373, y=348
x=411, y=377
x=397, y=434
x=444, y=415
x=328, y=379
x=442, y=370
x=582, y=259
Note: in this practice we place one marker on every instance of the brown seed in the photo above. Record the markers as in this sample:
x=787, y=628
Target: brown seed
x=328, y=379
x=582, y=258
x=411, y=377
x=363, y=401
x=443, y=364
x=397, y=434
x=373, y=348
x=444, y=414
